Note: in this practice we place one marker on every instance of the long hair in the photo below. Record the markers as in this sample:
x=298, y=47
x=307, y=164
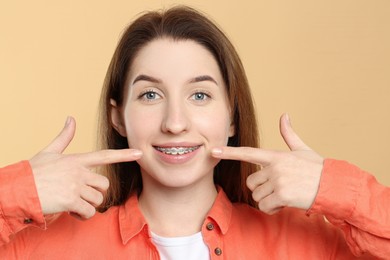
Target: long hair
x=178, y=23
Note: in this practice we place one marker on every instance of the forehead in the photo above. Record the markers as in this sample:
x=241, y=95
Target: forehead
x=166, y=57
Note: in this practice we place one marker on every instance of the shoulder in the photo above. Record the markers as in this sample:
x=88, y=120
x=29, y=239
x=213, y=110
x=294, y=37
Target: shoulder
x=290, y=232
x=287, y=221
x=99, y=221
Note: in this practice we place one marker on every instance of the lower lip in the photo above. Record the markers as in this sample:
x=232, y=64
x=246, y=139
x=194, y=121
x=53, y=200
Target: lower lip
x=178, y=158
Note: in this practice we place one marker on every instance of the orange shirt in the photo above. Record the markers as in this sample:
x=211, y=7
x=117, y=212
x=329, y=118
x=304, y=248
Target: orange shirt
x=355, y=204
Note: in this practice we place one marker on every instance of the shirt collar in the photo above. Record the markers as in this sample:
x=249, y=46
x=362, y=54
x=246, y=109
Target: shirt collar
x=221, y=211
x=132, y=222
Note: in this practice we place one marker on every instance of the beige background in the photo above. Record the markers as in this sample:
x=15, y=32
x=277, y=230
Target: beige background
x=327, y=63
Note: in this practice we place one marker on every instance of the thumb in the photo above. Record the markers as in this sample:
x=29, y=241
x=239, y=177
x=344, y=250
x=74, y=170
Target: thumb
x=59, y=144
x=292, y=140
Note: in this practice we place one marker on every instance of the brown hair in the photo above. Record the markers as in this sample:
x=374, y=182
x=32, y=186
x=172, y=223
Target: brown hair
x=179, y=23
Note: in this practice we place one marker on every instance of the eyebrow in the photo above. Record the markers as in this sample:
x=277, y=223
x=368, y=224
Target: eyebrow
x=197, y=79
x=203, y=78
x=146, y=78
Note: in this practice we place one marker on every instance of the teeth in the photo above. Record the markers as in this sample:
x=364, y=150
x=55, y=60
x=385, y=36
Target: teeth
x=177, y=150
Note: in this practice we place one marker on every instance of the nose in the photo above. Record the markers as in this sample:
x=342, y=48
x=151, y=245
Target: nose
x=176, y=118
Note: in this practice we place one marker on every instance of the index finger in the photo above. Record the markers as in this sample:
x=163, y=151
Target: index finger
x=247, y=154
x=109, y=156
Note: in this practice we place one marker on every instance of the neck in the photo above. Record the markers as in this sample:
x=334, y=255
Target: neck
x=174, y=212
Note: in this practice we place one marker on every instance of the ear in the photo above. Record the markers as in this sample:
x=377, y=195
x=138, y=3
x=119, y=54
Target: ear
x=116, y=118
x=232, y=130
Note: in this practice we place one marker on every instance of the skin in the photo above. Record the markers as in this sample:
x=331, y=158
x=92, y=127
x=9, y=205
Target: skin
x=175, y=96
x=287, y=179
x=175, y=113
x=66, y=182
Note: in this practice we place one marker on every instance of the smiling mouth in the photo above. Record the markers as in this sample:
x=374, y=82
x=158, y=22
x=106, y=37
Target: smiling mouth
x=176, y=150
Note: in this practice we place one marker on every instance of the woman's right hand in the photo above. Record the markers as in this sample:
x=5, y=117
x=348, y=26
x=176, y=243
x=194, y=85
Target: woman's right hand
x=66, y=182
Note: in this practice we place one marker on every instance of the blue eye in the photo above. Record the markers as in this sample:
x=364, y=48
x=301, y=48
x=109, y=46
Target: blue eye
x=200, y=96
x=149, y=95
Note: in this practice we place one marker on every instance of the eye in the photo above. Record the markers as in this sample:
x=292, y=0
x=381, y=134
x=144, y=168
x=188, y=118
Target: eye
x=149, y=95
x=200, y=96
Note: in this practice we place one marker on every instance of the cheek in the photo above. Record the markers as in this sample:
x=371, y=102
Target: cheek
x=215, y=127
x=140, y=127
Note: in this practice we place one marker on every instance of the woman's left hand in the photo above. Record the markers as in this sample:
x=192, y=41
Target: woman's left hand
x=287, y=179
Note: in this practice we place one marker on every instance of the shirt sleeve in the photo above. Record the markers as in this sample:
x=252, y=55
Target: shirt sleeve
x=19, y=202
x=355, y=202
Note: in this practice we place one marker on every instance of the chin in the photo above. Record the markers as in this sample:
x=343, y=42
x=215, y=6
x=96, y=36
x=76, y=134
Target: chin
x=178, y=178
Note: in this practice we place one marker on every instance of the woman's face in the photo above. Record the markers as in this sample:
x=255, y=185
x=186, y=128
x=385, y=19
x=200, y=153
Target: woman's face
x=175, y=110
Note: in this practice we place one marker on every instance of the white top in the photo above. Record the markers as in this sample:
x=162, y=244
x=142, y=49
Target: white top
x=188, y=248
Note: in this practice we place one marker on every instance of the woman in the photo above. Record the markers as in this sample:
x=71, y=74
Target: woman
x=176, y=90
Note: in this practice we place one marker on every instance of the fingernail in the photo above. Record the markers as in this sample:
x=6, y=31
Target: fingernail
x=288, y=118
x=67, y=122
x=216, y=151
